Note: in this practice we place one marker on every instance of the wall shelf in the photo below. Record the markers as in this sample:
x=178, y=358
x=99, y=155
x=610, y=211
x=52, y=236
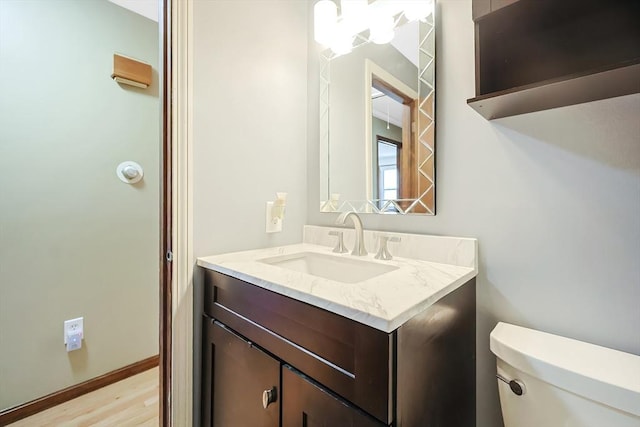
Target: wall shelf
x=568, y=90
x=534, y=55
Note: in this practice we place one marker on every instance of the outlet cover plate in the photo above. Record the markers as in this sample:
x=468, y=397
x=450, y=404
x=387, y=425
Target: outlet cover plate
x=73, y=326
x=272, y=225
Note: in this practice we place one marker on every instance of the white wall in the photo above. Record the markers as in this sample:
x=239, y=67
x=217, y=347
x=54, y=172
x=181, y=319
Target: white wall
x=249, y=121
x=74, y=240
x=553, y=198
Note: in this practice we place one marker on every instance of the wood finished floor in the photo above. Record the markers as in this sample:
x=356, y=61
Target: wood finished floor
x=131, y=402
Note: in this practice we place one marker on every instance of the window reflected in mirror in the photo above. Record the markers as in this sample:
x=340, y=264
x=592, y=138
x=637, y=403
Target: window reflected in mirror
x=388, y=153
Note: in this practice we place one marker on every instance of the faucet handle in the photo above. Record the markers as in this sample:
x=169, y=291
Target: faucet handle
x=383, y=251
x=340, y=248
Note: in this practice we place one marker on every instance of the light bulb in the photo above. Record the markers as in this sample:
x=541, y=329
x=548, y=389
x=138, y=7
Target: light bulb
x=381, y=30
x=342, y=43
x=353, y=14
x=417, y=9
x=341, y=40
x=325, y=18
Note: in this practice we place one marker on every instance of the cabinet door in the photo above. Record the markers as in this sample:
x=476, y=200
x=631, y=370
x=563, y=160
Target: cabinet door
x=305, y=404
x=238, y=380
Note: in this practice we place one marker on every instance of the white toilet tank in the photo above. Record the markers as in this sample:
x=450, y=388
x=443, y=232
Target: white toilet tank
x=567, y=383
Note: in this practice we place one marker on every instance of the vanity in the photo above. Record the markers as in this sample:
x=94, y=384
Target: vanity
x=301, y=336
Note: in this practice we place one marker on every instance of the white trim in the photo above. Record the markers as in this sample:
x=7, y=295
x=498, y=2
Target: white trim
x=182, y=211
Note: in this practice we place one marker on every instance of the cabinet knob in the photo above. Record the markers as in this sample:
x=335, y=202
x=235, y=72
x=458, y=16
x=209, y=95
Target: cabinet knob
x=269, y=396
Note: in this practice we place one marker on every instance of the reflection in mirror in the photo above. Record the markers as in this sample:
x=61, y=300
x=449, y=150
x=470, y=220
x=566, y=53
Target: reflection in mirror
x=393, y=108
x=386, y=169
x=377, y=128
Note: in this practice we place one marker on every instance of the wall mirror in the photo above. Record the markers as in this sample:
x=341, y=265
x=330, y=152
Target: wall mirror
x=377, y=123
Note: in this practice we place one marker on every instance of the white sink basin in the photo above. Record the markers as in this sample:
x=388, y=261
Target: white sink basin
x=338, y=268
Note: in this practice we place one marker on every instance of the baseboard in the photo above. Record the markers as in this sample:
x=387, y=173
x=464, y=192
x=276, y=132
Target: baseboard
x=24, y=410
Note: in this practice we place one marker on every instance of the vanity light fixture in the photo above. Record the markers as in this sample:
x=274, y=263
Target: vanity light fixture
x=380, y=17
x=342, y=41
x=325, y=19
x=417, y=10
x=381, y=30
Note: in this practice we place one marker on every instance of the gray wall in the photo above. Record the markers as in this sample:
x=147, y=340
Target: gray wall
x=553, y=198
x=379, y=128
x=74, y=240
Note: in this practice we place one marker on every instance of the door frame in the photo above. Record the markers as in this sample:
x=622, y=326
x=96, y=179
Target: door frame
x=166, y=217
x=176, y=286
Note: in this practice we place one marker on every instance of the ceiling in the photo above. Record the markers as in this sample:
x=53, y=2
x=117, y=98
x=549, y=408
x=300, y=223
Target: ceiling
x=146, y=8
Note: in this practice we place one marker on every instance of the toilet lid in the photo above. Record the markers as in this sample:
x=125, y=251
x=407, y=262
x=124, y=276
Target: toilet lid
x=602, y=374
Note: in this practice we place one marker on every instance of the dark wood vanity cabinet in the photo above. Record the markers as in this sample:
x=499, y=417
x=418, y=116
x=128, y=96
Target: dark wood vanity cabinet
x=239, y=376
x=326, y=370
x=307, y=404
x=247, y=387
x=534, y=55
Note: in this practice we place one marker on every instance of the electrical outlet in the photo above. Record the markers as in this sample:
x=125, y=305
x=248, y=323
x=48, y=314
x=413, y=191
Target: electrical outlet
x=72, y=327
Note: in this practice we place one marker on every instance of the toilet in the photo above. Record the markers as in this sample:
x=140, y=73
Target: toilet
x=545, y=380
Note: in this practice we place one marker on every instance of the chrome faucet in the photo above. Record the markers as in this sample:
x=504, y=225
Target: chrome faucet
x=358, y=248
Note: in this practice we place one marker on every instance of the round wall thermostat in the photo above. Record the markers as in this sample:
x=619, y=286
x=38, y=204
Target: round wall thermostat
x=129, y=172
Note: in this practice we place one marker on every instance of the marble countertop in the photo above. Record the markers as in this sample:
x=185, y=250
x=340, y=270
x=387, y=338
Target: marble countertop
x=384, y=302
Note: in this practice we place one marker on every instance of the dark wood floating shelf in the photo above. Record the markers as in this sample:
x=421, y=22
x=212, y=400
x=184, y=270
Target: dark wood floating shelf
x=534, y=55
x=568, y=90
